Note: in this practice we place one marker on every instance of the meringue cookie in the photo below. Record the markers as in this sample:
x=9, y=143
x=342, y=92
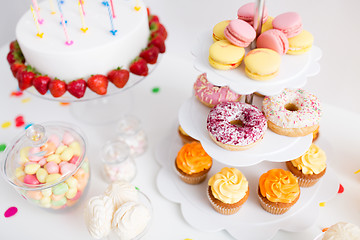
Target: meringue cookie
x=98, y=216
x=342, y=230
x=130, y=220
x=121, y=192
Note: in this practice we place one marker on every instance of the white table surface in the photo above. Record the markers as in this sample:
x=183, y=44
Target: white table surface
x=336, y=32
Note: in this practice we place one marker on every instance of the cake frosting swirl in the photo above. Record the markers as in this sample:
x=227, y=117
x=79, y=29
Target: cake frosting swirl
x=278, y=185
x=229, y=185
x=192, y=158
x=312, y=162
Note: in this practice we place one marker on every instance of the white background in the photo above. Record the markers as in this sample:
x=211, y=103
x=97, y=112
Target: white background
x=335, y=27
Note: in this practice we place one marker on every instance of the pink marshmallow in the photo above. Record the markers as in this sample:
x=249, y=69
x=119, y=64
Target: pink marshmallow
x=52, y=167
x=34, y=155
x=74, y=160
x=67, y=139
x=54, y=139
x=31, y=179
x=67, y=168
x=42, y=162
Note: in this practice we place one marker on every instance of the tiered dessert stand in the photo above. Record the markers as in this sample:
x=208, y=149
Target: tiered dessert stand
x=251, y=222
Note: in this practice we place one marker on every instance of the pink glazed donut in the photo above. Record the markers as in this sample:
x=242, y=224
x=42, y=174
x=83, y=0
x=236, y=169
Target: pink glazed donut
x=211, y=95
x=236, y=126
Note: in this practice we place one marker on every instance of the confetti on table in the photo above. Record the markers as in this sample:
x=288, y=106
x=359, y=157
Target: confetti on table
x=156, y=90
x=6, y=124
x=16, y=94
x=64, y=104
x=28, y=125
x=19, y=121
x=137, y=188
x=322, y=204
x=324, y=229
x=26, y=100
x=358, y=171
x=2, y=147
x=10, y=212
x=341, y=189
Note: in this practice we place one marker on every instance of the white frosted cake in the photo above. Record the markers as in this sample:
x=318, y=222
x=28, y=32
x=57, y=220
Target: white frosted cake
x=96, y=51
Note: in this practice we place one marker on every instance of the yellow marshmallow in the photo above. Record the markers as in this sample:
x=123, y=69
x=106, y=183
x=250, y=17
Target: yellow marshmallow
x=31, y=168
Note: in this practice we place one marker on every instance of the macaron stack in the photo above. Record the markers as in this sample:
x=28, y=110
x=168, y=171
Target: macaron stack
x=281, y=35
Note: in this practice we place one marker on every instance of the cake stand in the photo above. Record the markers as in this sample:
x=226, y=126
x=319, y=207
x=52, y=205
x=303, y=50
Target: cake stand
x=294, y=70
x=91, y=108
x=251, y=222
x=273, y=147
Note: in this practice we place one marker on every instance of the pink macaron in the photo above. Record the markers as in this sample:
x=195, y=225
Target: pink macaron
x=289, y=23
x=273, y=39
x=239, y=33
x=247, y=11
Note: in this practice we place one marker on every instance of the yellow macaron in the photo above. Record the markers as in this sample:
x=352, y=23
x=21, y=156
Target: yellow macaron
x=301, y=43
x=218, y=30
x=267, y=25
x=224, y=56
x=262, y=64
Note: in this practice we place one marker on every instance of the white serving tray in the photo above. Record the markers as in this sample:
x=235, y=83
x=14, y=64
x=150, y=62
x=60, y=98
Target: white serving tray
x=273, y=147
x=251, y=222
x=294, y=70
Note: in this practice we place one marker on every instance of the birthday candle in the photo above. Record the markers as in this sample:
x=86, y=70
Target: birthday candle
x=113, y=31
x=82, y=7
x=68, y=41
x=52, y=7
x=39, y=33
x=83, y=28
x=112, y=8
x=137, y=6
x=37, y=12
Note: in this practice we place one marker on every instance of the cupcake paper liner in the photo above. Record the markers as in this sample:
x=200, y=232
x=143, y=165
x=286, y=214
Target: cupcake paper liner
x=221, y=209
x=273, y=209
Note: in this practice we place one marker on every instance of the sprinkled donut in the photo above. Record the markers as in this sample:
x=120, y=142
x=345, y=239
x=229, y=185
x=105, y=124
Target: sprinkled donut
x=293, y=113
x=211, y=95
x=236, y=126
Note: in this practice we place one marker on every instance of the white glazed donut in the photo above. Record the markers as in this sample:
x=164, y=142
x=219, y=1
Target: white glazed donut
x=293, y=113
x=236, y=126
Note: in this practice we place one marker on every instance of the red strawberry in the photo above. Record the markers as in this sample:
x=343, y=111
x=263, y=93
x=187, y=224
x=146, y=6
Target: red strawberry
x=150, y=54
x=57, y=87
x=77, y=88
x=157, y=27
x=14, y=46
x=158, y=41
x=139, y=67
x=119, y=77
x=16, y=66
x=41, y=83
x=25, y=77
x=98, y=83
x=10, y=58
x=153, y=18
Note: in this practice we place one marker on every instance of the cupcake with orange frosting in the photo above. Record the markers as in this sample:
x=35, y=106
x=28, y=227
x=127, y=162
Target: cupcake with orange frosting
x=310, y=167
x=228, y=190
x=278, y=191
x=193, y=163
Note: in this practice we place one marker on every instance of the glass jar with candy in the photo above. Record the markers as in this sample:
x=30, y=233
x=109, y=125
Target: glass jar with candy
x=47, y=165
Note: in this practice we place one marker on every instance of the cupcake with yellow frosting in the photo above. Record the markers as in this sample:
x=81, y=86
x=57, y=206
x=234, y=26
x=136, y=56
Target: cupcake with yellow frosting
x=192, y=163
x=185, y=138
x=278, y=191
x=228, y=190
x=310, y=167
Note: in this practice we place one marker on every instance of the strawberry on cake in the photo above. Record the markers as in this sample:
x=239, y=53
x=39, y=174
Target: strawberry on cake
x=95, y=57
